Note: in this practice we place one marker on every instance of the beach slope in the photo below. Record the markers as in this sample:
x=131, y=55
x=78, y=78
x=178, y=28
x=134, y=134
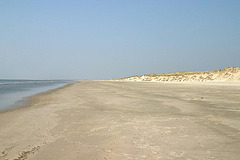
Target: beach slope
x=126, y=120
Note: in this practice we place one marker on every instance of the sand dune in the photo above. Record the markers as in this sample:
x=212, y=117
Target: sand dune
x=230, y=74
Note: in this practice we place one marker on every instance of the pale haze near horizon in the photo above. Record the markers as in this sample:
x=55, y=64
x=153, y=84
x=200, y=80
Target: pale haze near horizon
x=114, y=39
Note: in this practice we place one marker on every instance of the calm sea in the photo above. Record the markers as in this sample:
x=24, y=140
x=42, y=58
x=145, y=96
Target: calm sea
x=13, y=92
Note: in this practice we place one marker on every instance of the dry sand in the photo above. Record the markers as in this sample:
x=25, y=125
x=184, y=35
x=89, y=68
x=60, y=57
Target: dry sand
x=126, y=120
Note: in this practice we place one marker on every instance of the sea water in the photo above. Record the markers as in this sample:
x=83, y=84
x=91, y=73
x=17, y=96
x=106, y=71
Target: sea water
x=13, y=92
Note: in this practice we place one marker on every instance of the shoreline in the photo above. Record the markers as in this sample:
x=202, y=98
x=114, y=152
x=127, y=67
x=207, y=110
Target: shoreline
x=29, y=100
x=26, y=101
x=8, y=116
x=109, y=120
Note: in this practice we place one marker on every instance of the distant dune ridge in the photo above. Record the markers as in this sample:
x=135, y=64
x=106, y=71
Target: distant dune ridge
x=230, y=74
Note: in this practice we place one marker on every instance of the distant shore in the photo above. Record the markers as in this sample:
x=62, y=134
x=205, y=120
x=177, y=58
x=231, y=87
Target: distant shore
x=124, y=120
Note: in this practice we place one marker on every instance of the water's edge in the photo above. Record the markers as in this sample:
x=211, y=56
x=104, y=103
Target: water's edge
x=26, y=101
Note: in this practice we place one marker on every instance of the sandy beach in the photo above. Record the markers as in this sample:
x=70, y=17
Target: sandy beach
x=126, y=120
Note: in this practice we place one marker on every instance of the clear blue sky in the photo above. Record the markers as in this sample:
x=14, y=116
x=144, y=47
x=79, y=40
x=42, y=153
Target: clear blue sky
x=111, y=39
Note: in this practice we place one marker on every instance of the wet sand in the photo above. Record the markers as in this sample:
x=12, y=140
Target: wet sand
x=126, y=120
